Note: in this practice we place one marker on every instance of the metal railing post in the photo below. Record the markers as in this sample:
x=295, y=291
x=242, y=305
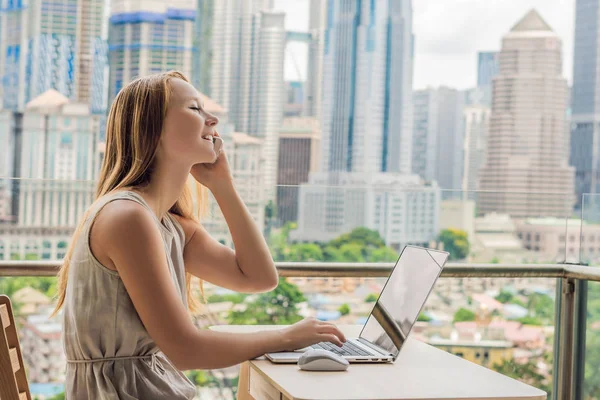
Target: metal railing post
x=565, y=322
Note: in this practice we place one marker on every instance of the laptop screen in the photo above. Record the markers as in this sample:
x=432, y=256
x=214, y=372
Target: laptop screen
x=403, y=297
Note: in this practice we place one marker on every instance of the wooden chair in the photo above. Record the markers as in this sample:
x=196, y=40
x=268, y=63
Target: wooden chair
x=13, y=381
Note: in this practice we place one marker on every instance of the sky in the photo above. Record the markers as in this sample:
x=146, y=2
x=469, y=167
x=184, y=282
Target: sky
x=448, y=34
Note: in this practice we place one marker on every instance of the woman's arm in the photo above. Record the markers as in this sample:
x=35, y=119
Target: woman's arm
x=127, y=233
x=250, y=267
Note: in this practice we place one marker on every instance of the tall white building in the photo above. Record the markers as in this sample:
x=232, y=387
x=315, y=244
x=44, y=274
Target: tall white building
x=147, y=37
x=476, y=121
x=57, y=168
x=49, y=44
x=438, y=137
x=247, y=73
x=367, y=87
x=314, y=78
x=527, y=155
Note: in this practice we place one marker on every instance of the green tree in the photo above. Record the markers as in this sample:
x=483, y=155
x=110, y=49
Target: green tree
x=592, y=365
x=352, y=252
x=278, y=241
x=46, y=285
x=278, y=307
x=527, y=373
x=504, y=297
x=270, y=217
x=530, y=321
x=235, y=298
x=60, y=396
x=455, y=242
x=344, y=309
x=305, y=252
x=332, y=254
x=464, y=315
x=382, y=254
x=371, y=298
x=362, y=236
x=423, y=318
x=541, y=306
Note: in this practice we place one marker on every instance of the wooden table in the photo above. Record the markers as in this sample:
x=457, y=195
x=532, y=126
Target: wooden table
x=420, y=372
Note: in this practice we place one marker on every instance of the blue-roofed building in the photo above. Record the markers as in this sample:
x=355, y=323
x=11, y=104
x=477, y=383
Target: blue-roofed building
x=149, y=37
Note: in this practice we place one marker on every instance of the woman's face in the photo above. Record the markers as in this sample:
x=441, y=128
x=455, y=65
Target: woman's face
x=188, y=128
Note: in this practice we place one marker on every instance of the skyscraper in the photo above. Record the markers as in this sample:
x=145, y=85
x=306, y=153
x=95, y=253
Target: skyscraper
x=147, y=37
x=247, y=73
x=314, y=79
x=585, y=107
x=438, y=136
x=527, y=142
x=203, y=46
x=365, y=178
x=425, y=133
x=52, y=45
x=487, y=67
x=367, y=87
x=476, y=122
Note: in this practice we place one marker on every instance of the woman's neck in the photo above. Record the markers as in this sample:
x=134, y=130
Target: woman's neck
x=165, y=188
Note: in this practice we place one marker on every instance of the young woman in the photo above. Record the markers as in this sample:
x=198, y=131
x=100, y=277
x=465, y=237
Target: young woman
x=125, y=283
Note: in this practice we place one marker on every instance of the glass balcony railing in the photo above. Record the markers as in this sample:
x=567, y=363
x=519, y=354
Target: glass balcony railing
x=515, y=296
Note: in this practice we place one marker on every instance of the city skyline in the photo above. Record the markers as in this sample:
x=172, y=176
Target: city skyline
x=462, y=29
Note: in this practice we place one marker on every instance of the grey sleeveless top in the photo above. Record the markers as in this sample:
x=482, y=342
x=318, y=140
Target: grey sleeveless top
x=110, y=355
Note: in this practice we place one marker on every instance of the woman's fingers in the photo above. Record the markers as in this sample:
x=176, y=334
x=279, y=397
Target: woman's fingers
x=331, y=338
x=332, y=329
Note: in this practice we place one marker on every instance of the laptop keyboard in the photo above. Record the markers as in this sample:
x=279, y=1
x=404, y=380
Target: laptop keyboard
x=349, y=349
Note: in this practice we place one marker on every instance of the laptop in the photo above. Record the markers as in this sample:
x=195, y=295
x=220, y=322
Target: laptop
x=393, y=315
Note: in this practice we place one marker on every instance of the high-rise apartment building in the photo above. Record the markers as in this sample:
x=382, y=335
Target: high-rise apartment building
x=52, y=44
x=487, y=70
x=487, y=67
x=147, y=37
x=56, y=165
x=367, y=87
x=314, y=79
x=526, y=171
x=585, y=104
x=476, y=123
x=438, y=136
x=203, y=46
x=247, y=73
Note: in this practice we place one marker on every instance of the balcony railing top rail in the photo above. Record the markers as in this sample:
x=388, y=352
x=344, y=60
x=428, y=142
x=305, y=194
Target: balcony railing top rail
x=366, y=270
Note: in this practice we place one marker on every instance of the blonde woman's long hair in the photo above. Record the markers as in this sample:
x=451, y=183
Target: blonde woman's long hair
x=133, y=132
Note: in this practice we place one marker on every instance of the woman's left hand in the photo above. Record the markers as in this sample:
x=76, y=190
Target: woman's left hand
x=213, y=174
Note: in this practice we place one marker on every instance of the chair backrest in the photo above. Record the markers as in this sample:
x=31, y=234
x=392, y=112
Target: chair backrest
x=13, y=381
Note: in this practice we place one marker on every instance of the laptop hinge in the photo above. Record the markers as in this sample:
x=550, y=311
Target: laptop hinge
x=375, y=347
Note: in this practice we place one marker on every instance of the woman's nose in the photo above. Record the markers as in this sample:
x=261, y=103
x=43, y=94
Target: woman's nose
x=212, y=120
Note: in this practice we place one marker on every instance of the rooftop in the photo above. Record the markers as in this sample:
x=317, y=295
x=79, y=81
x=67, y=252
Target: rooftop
x=532, y=21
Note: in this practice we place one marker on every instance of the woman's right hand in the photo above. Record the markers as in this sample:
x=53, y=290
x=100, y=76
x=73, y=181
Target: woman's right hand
x=310, y=331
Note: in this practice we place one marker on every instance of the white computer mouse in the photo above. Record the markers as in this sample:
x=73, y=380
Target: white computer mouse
x=322, y=360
